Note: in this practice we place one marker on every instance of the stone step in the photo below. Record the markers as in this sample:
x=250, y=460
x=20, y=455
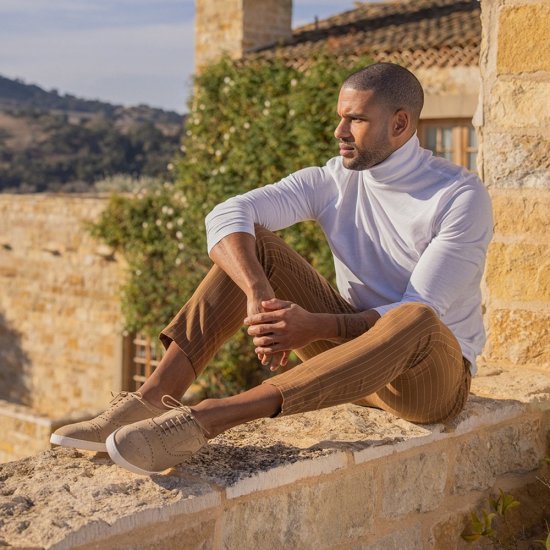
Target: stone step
x=343, y=477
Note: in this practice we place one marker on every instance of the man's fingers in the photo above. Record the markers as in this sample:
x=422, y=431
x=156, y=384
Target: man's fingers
x=264, y=330
x=267, y=317
x=275, y=304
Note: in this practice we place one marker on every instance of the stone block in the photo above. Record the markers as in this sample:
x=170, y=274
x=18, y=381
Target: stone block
x=524, y=213
x=523, y=385
x=483, y=411
x=69, y=498
x=516, y=161
x=518, y=336
x=409, y=539
x=415, y=484
x=518, y=272
x=445, y=534
x=481, y=459
x=519, y=104
x=523, y=39
x=304, y=516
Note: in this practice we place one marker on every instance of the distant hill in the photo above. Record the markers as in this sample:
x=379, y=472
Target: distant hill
x=53, y=142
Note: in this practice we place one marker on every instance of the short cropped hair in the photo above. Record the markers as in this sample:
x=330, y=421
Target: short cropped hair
x=392, y=84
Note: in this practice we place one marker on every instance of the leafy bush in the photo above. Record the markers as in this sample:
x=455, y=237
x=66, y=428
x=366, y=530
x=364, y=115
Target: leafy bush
x=250, y=124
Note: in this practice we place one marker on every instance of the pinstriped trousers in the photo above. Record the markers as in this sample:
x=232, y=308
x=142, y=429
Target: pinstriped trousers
x=409, y=363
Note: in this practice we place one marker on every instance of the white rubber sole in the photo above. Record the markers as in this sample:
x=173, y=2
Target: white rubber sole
x=65, y=441
x=117, y=458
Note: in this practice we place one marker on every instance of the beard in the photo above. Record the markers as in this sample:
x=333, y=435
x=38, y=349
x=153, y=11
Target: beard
x=367, y=157
x=364, y=159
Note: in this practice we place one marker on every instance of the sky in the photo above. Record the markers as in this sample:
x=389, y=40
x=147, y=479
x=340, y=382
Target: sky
x=122, y=51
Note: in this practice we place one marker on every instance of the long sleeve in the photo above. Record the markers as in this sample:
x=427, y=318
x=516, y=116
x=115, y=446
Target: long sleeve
x=296, y=198
x=454, y=260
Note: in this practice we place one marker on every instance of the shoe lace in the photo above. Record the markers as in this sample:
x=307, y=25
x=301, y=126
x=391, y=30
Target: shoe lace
x=180, y=421
x=117, y=397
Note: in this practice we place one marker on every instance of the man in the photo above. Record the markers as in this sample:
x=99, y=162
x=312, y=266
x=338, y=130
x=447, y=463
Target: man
x=409, y=234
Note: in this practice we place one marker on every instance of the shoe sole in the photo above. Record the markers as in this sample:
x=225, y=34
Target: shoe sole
x=65, y=441
x=117, y=458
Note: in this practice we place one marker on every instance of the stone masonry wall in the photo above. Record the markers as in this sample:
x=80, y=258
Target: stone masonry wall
x=60, y=319
x=234, y=26
x=515, y=165
x=343, y=477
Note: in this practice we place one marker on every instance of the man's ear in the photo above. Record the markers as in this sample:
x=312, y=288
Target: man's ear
x=401, y=122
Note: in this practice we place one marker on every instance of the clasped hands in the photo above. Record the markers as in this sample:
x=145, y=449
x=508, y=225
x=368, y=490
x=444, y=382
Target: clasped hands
x=281, y=327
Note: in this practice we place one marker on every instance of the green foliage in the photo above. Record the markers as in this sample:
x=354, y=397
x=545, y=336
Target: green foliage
x=249, y=125
x=483, y=526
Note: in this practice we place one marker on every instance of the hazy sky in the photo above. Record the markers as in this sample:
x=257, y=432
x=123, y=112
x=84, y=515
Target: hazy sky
x=123, y=51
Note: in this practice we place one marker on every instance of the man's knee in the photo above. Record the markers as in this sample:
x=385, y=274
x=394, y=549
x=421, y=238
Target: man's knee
x=417, y=313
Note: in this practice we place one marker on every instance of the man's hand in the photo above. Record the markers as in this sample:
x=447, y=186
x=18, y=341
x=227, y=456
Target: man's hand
x=254, y=307
x=282, y=327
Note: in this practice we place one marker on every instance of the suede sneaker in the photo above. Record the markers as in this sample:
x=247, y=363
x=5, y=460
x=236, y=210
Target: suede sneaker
x=153, y=445
x=125, y=408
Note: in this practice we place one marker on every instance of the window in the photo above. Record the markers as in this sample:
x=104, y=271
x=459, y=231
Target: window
x=142, y=354
x=455, y=140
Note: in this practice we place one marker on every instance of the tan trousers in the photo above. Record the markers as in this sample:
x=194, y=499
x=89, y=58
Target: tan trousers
x=409, y=363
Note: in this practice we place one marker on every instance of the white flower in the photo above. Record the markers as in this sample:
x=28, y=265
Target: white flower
x=179, y=221
x=170, y=211
x=293, y=82
x=227, y=79
x=232, y=129
x=145, y=225
x=138, y=272
x=183, y=148
x=169, y=225
x=267, y=104
x=222, y=169
x=226, y=136
x=179, y=235
x=202, y=107
x=218, y=153
x=189, y=133
x=181, y=246
x=178, y=261
x=169, y=166
x=158, y=223
x=292, y=112
x=215, y=172
x=225, y=89
x=246, y=125
x=265, y=112
x=164, y=209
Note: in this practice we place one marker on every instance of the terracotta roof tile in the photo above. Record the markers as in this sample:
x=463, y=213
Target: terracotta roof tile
x=415, y=33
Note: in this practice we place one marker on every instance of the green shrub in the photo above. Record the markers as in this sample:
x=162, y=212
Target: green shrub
x=250, y=124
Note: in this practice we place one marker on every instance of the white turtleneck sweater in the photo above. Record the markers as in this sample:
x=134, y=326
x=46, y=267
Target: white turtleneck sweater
x=414, y=228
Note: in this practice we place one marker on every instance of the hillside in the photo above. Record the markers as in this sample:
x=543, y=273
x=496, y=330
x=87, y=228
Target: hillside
x=53, y=142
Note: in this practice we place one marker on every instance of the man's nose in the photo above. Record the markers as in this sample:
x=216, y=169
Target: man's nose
x=342, y=130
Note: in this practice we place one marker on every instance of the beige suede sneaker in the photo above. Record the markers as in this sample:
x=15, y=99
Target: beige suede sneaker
x=125, y=408
x=153, y=445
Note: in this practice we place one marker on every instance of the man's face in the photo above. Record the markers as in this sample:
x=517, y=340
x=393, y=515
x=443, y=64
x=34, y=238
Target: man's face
x=364, y=131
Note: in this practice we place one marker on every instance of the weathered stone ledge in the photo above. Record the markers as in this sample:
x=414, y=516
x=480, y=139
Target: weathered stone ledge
x=344, y=477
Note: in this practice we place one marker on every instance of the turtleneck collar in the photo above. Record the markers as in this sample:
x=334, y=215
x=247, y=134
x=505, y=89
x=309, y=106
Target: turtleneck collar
x=401, y=162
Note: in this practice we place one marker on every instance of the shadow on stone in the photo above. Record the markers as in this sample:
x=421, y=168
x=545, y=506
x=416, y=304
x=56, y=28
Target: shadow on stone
x=14, y=366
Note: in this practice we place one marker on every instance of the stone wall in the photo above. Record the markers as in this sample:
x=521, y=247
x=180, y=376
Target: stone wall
x=235, y=26
x=514, y=162
x=60, y=318
x=344, y=477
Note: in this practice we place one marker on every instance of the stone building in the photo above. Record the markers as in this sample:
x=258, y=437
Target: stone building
x=439, y=40
x=61, y=345
x=343, y=477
